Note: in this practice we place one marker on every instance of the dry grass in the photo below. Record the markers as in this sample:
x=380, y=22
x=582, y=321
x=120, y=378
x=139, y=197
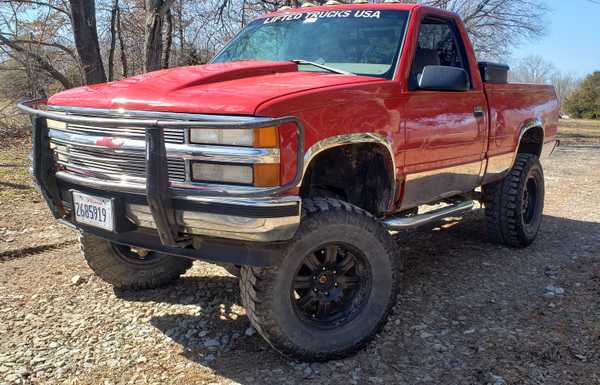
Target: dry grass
x=587, y=130
x=15, y=181
x=14, y=125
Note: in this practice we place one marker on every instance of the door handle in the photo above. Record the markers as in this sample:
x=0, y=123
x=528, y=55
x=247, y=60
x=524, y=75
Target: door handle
x=478, y=112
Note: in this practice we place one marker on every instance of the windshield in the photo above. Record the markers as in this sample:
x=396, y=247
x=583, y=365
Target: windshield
x=363, y=41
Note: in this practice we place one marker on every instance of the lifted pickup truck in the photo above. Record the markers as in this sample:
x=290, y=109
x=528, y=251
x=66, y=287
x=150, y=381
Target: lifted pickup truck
x=292, y=155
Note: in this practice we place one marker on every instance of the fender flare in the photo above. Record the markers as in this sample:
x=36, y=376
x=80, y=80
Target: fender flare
x=350, y=139
x=527, y=126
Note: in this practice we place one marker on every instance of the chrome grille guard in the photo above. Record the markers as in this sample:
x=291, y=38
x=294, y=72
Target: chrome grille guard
x=159, y=192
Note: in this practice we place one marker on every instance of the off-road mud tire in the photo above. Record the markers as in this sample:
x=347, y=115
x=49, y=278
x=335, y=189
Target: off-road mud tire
x=266, y=291
x=503, y=204
x=123, y=273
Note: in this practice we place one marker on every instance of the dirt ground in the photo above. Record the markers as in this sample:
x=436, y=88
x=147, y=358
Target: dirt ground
x=468, y=312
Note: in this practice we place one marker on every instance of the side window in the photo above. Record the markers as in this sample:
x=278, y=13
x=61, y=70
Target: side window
x=438, y=44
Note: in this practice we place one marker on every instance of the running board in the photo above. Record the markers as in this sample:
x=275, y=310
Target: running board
x=402, y=223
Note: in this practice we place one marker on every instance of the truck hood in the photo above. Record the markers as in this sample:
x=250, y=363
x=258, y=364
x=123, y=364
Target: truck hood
x=235, y=88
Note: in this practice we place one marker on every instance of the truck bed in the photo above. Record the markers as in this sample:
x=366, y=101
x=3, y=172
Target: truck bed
x=512, y=106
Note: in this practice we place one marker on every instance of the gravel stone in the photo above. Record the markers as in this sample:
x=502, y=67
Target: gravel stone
x=211, y=343
x=77, y=280
x=307, y=372
x=497, y=380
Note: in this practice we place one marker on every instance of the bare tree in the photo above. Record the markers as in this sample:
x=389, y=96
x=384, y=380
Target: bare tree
x=113, y=39
x=124, y=66
x=536, y=69
x=565, y=85
x=533, y=69
x=180, y=31
x=153, y=42
x=168, y=40
x=496, y=26
x=83, y=20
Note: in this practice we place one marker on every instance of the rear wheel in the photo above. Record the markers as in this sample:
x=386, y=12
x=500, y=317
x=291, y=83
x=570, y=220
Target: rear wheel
x=514, y=205
x=333, y=289
x=128, y=268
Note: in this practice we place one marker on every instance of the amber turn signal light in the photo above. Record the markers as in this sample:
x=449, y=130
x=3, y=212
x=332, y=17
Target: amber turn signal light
x=266, y=137
x=266, y=175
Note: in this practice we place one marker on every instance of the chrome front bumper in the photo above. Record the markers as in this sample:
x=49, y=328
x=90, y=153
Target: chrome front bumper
x=262, y=227
x=249, y=219
x=174, y=209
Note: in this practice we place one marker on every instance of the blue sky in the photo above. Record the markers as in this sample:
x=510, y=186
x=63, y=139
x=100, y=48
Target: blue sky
x=572, y=41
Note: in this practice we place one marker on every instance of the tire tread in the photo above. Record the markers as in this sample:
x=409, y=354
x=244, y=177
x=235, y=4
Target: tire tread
x=96, y=252
x=502, y=204
x=256, y=287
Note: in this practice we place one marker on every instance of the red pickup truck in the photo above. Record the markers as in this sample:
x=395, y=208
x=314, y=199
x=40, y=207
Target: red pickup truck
x=291, y=157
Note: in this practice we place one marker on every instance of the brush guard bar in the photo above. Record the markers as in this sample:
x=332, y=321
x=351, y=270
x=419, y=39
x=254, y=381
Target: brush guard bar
x=159, y=193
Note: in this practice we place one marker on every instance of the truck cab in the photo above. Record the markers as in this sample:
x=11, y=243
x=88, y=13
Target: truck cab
x=291, y=157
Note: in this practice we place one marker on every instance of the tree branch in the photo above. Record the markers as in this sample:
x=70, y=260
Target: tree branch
x=39, y=60
x=33, y=2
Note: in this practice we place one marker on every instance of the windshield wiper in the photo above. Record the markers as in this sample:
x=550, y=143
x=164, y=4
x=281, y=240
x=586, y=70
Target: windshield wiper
x=330, y=69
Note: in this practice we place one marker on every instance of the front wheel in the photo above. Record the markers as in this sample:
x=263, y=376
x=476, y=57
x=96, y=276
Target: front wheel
x=128, y=268
x=333, y=289
x=514, y=205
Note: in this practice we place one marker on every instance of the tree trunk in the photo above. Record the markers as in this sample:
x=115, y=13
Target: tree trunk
x=113, y=40
x=83, y=19
x=168, y=40
x=122, y=45
x=155, y=12
x=243, y=13
x=181, y=57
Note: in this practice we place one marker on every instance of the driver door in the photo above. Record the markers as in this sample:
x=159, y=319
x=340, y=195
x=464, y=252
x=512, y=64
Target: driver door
x=445, y=130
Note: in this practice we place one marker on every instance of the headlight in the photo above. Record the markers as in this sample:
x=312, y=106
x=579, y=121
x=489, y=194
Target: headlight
x=259, y=175
x=56, y=124
x=224, y=173
x=258, y=137
x=232, y=137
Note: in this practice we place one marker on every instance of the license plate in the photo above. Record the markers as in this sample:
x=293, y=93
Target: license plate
x=94, y=211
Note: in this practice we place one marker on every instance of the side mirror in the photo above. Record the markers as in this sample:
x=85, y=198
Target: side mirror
x=443, y=78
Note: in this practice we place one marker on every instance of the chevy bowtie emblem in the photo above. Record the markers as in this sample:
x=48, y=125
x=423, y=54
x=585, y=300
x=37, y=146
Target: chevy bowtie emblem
x=109, y=142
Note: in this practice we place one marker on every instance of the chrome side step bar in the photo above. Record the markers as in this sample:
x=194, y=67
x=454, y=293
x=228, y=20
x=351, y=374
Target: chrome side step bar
x=402, y=223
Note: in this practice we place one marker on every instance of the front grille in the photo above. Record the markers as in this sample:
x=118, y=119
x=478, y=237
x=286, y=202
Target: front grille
x=113, y=164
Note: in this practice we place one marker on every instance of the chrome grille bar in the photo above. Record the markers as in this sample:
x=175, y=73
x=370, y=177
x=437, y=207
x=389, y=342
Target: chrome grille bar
x=172, y=135
x=128, y=163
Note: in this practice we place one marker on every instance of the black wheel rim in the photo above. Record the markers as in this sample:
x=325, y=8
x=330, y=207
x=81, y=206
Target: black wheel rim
x=331, y=286
x=130, y=255
x=529, y=201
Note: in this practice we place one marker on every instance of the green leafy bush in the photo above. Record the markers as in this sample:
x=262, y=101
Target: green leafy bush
x=585, y=102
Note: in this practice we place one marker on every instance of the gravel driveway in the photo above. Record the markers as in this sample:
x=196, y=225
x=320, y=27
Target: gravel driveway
x=468, y=312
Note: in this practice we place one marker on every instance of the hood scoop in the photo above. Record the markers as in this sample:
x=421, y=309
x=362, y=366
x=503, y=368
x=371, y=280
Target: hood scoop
x=216, y=73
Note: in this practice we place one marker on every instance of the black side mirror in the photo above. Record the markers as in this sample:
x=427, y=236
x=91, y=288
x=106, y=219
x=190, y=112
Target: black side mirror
x=443, y=78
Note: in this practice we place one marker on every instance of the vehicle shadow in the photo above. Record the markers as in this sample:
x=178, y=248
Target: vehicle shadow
x=450, y=251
